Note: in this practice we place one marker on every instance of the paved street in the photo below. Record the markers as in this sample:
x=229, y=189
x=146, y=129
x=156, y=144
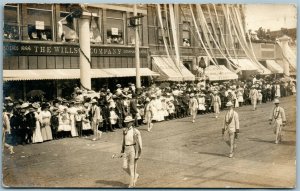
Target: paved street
x=177, y=153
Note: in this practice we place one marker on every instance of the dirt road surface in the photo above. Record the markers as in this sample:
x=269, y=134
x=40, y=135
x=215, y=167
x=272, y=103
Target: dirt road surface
x=177, y=154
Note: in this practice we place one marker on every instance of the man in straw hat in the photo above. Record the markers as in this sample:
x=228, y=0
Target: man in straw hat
x=131, y=148
x=278, y=116
x=231, y=127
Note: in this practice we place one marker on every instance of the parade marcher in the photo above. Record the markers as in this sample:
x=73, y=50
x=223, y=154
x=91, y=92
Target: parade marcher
x=201, y=103
x=6, y=131
x=149, y=114
x=253, y=95
x=193, y=106
x=231, y=127
x=278, y=118
x=277, y=90
x=132, y=149
x=95, y=119
x=216, y=103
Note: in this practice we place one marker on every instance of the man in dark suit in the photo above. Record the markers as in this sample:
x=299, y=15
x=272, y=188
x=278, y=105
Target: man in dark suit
x=133, y=109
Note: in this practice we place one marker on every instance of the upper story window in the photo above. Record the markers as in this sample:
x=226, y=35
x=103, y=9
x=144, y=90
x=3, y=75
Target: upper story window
x=131, y=31
x=11, y=22
x=67, y=29
x=114, y=27
x=95, y=26
x=186, y=34
x=39, y=21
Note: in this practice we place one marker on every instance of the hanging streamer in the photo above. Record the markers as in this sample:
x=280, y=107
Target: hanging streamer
x=162, y=28
x=223, y=40
x=240, y=41
x=200, y=38
x=230, y=32
x=174, y=33
x=200, y=19
x=219, y=48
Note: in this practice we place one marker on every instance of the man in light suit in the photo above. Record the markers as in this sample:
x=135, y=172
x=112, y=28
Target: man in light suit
x=231, y=127
x=278, y=115
x=216, y=103
x=253, y=95
x=193, y=106
x=132, y=149
x=95, y=118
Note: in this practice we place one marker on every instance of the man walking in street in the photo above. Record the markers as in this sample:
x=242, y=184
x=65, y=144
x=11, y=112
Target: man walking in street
x=131, y=148
x=231, y=127
x=193, y=106
x=96, y=117
x=279, y=117
x=216, y=103
x=253, y=95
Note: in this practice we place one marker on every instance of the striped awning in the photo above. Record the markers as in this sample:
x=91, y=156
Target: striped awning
x=247, y=65
x=168, y=70
x=216, y=73
x=61, y=74
x=274, y=66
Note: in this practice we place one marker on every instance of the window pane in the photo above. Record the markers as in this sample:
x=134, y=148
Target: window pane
x=67, y=29
x=115, y=31
x=95, y=32
x=11, y=29
x=10, y=14
x=39, y=24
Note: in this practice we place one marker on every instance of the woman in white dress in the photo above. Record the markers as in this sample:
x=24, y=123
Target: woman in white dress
x=240, y=96
x=64, y=121
x=37, y=135
x=45, y=124
x=201, y=102
x=72, y=112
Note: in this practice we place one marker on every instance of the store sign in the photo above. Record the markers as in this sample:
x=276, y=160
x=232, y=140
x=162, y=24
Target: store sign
x=24, y=49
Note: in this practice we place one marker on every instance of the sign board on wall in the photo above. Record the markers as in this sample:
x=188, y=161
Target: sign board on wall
x=26, y=49
x=39, y=25
x=114, y=31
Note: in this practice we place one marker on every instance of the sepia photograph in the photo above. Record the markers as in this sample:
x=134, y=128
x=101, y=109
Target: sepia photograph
x=149, y=95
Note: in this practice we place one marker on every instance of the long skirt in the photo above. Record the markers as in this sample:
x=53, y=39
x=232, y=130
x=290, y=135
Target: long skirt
x=46, y=133
x=37, y=135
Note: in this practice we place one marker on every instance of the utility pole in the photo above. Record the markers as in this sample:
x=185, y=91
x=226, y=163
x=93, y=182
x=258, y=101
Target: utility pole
x=137, y=51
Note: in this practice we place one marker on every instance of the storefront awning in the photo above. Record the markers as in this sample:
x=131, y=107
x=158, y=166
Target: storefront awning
x=168, y=70
x=274, y=66
x=216, y=73
x=61, y=74
x=247, y=65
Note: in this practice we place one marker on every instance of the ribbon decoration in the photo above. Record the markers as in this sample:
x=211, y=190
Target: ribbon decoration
x=200, y=38
x=162, y=28
x=200, y=19
x=223, y=40
x=174, y=33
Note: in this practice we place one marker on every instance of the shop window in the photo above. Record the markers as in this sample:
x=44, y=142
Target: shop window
x=95, y=30
x=67, y=28
x=11, y=26
x=39, y=24
x=186, y=35
x=115, y=27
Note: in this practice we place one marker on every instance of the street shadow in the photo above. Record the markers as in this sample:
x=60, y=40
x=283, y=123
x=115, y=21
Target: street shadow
x=288, y=143
x=112, y=183
x=289, y=130
x=261, y=140
x=214, y=154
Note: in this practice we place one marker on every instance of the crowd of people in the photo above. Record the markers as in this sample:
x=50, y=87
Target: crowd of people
x=91, y=113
